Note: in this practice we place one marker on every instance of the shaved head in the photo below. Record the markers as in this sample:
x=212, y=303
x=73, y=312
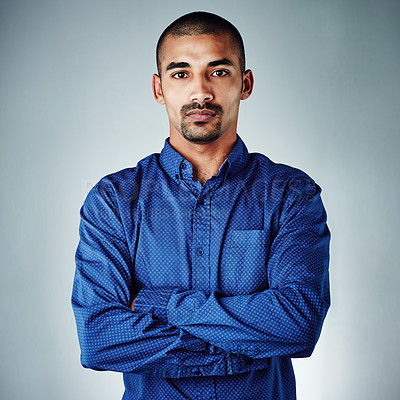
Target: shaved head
x=201, y=23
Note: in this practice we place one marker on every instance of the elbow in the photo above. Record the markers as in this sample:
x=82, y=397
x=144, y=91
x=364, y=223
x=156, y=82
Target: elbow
x=91, y=342
x=91, y=356
x=91, y=360
x=311, y=328
x=310, y=342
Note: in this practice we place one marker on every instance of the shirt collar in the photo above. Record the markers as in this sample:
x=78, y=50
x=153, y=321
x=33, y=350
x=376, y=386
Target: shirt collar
x=238, y=158
x=172, y=162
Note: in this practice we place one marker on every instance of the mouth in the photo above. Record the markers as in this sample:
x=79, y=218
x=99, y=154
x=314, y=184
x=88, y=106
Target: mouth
x=198, y=115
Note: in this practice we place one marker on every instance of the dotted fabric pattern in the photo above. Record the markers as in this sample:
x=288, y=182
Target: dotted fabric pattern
x=231, y=277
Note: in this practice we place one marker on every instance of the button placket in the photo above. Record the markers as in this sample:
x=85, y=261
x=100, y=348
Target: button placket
x=201, y=243
x=202, y=237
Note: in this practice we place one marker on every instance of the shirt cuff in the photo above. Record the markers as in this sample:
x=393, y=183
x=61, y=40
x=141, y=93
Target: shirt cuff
x=153, y=301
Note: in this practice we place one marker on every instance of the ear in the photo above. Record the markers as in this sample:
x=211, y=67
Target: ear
x=248, y=83
x=157, y=90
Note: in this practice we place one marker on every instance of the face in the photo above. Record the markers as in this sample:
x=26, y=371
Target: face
x=201, y=85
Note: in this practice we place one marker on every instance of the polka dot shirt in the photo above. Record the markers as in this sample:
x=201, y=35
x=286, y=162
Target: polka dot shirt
x=231, y=277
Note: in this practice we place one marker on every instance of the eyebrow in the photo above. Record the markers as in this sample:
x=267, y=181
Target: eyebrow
x=216, y=63
x=174, y=65
x=224, y=61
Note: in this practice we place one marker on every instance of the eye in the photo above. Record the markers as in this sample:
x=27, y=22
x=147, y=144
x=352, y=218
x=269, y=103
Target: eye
x=179, y=75
x=220, y=72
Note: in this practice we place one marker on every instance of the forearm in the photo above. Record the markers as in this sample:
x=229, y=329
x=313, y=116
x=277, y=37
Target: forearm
x=271, y=323
x=112, y=337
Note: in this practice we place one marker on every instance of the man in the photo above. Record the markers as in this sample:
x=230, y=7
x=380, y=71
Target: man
x=204, y=269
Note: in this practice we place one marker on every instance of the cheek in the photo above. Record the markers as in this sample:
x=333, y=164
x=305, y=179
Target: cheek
x=231, y=95
x=173, y=112
x=232, y=103
x=172, y=105
x=174, y=94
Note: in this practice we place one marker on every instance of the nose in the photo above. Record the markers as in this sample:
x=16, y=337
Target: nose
x=201, y=90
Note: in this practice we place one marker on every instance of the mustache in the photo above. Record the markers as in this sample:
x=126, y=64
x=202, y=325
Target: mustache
x=206, y=106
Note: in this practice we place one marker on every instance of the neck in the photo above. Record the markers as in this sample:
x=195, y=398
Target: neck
x=206, y=158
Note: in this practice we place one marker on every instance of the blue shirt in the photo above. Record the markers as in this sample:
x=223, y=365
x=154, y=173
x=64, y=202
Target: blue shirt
x=231, y=276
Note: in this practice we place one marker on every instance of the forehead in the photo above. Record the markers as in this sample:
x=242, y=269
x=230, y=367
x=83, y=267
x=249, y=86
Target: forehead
x=198, y=49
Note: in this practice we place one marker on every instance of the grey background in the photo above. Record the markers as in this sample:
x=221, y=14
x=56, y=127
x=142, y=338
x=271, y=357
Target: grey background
x=76, y=104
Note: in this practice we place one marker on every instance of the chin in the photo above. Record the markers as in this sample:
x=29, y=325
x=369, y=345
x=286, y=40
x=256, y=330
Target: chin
x=202, y=139
x=199, y=136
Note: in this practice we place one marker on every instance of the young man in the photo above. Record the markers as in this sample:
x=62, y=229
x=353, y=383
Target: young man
x=204, y=269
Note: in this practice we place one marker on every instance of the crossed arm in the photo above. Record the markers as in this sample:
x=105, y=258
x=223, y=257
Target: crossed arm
x=174, y=329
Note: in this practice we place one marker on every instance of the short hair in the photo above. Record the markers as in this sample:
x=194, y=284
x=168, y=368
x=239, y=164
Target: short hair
x=201, y=23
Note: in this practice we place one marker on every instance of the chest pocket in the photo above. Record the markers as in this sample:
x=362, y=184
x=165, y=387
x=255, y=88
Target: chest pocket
x=244, y=261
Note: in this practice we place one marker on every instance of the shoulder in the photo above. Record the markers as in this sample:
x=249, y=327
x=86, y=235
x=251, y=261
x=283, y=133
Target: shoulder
x=283, y=183
x=126, y=175
x=276, y=171
x=125, y=183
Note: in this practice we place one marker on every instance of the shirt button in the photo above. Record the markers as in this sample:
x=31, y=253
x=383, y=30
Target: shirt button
x=201, y=202
x=200, y=252
x=176, y=176
x=183, y=166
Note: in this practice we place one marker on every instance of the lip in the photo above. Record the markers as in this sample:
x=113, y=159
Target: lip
x=201, y=115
